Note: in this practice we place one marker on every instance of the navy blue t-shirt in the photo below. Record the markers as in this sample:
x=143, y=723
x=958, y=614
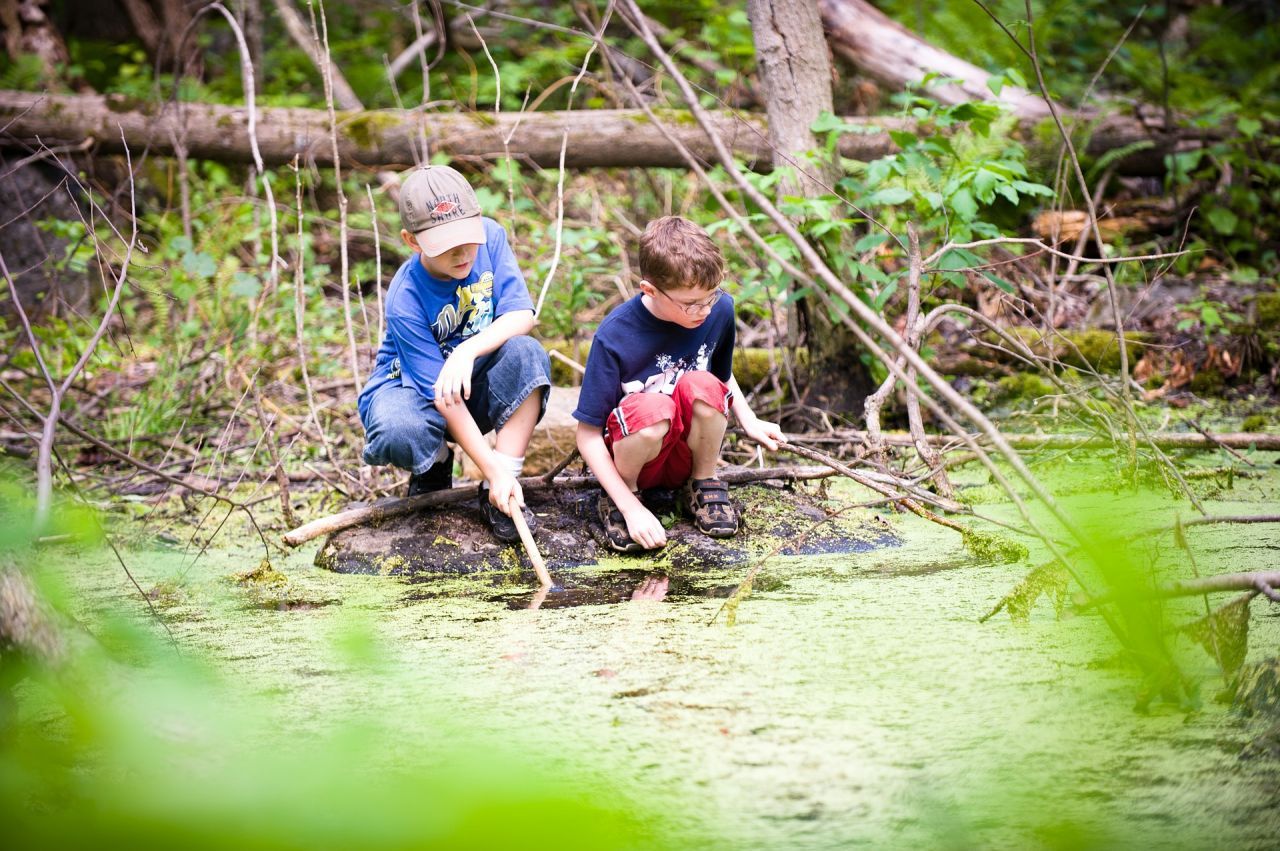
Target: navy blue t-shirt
x=428, y=317
x=634, y=351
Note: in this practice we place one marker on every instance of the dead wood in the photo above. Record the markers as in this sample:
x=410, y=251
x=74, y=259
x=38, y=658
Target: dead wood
x=391, y=137
x=1162, y=439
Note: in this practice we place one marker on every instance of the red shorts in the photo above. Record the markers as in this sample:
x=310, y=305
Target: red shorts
x=674, y=463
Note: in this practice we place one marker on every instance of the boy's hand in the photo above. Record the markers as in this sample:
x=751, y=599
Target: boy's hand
x=453, y=386
x=763, y=432
x=644, y=528
x=502, y=487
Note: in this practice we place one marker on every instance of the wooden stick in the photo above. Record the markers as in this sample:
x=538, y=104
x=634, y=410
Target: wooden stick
x=530, y=545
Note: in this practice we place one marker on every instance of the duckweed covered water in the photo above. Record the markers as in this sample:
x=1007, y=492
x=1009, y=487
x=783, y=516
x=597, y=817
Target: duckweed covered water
x=857, y=700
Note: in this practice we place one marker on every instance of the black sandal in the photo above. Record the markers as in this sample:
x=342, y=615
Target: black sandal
x=615, y=526
x=713, y=513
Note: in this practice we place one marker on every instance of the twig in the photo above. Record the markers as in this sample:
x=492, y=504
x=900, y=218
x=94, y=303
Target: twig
x=560, y=468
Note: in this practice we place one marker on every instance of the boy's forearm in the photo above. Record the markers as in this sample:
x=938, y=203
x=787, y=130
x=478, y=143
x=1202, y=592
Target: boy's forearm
x=592, y=448
x=506, y=326
x=741, y=409
x=465, y=432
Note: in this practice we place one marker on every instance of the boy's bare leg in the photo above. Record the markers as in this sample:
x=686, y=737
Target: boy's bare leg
x=706, y=433
x=514, y=437
x=632, y=452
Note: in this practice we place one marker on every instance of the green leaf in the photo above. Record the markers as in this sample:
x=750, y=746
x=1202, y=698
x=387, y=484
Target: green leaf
x=892, y=195
x=984, y=183
x=245, y=285
x=875, y=239
x=885, y=294
x=199, y=265
x=902, y=138
x=1210, y=316
x=1248, y=127
x=963, y=204
x=1223, y=220
x=999, y=282
x=996, y=83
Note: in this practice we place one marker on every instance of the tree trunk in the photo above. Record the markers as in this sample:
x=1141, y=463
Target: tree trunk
x=379, y=138
x=159, y=24
x=795, y=79
x=28, y=31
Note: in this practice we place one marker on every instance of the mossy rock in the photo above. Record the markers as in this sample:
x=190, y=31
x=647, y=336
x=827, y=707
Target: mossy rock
x=1093, y=348
x=1255, y=422
x=455, y=540
x=1022, y=386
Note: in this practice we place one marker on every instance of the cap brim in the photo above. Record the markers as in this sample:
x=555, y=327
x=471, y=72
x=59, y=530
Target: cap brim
x=439, y=239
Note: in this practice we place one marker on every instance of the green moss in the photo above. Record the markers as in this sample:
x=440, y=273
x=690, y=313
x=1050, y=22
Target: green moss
x=1024, y=385
x=1268, y=310
x=1256, y=422
x=1094, y=348
x=994, y=549
x=1208, y=382
x=123, y=103
x=262, y=575
x=367, y=129
x=390, y=564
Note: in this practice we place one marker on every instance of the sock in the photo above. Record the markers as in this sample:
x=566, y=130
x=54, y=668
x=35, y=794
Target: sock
x=510, y=462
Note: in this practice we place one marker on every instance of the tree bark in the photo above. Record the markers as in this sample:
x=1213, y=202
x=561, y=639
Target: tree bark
x=379, y=138
x=795, y=79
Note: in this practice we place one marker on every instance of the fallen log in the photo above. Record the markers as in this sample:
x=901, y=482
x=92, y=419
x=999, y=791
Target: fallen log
x=1263, y=582
x=394, y=507
x=1162, y=439
x=391, y=137
x=895, y=57
x=892, y=55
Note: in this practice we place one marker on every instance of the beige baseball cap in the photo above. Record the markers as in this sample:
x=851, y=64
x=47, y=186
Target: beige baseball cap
x=440, y=208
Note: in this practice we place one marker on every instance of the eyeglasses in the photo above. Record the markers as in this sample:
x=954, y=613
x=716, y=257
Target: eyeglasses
x=693, y=308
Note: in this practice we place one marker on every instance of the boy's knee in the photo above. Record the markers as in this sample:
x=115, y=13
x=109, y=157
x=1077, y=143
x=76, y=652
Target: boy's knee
x=528, y=352
x=650, y=434
x=704, y=411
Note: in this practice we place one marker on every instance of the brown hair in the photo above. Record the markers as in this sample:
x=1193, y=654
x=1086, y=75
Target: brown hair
x=674, y=253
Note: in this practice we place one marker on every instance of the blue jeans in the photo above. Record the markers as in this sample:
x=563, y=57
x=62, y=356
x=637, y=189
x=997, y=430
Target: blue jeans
x=404, y=428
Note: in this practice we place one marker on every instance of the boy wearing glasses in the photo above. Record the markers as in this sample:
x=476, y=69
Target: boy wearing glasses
x=659, y=387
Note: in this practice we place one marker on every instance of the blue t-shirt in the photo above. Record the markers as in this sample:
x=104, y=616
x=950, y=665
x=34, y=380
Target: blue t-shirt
x=634, y=351
x=428, y=317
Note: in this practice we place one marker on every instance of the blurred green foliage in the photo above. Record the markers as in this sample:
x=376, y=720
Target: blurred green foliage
x=121, y=741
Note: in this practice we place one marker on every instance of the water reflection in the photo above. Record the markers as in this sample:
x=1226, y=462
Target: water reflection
x=604, y=589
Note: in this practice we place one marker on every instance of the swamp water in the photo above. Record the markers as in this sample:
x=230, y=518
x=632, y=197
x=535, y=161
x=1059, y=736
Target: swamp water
x=857, y=700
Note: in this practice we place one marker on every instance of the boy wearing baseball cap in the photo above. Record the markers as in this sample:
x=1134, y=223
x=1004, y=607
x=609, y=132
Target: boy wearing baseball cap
x=457, y=360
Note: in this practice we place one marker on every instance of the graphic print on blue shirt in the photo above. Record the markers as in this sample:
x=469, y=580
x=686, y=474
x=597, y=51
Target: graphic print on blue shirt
x=428, y=317
x=473, y=312
x=633, y=351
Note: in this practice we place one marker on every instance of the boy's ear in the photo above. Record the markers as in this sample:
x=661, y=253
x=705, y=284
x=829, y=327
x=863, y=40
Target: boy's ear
x=410, y=240
x=646, y=287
